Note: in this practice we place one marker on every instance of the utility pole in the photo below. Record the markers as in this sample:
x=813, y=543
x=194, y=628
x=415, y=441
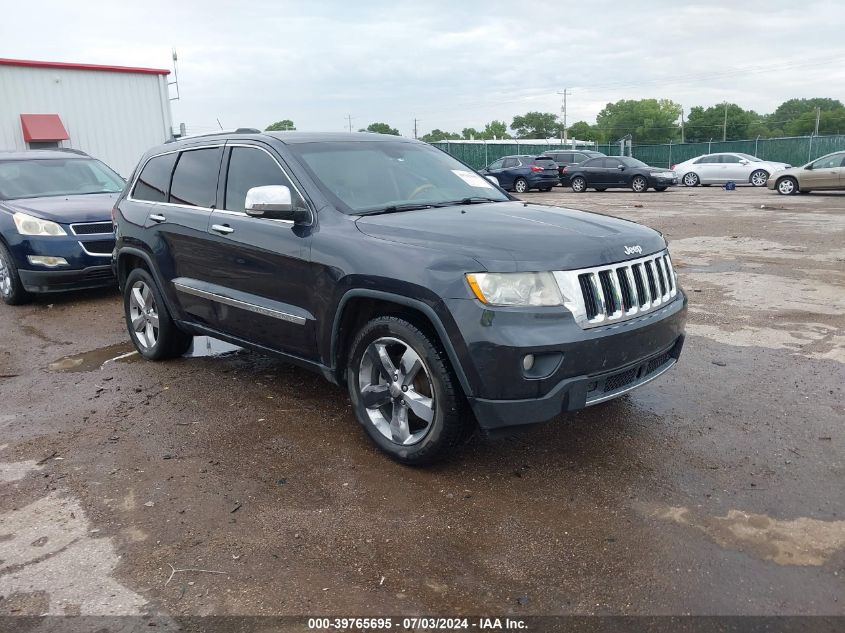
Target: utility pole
x=349, y=121
x=563, y=116
x=682, y=125
x=415, y=128
x=818, y=116
x=725, y=124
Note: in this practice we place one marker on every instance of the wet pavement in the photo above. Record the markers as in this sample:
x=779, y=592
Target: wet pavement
x=230, y=483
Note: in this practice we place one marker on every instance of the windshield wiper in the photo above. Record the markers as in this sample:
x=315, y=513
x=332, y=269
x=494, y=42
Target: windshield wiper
x=397, y=208
x=471, y=200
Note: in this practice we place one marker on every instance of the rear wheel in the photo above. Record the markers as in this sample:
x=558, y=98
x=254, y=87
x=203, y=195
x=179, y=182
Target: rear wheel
x=691, y=179
x=759, y=177
x=579, y=185
x=404, y=392
x=787, y=186
x=152, y=330
x=520, y=185
x=639, y=184
x=12, y=291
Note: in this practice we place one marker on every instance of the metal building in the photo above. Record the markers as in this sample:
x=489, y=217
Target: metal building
x=113, y=113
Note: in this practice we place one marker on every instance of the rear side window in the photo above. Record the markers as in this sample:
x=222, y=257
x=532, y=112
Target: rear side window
x=578, y=158
x=510, y=162
x=250, y=168
x=195, y=178
x=593, y=162
x=728, y=158
x=707, y=159
x=154, y=180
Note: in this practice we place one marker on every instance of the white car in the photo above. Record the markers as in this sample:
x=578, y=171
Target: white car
x=720, y=168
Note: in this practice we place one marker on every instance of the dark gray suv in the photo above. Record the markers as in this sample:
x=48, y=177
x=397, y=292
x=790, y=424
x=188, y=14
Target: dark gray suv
x=437, y=299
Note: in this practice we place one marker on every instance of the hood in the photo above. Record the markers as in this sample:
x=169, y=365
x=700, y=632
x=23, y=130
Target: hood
x=94, y=207
x=776, y=166
x=515, y=236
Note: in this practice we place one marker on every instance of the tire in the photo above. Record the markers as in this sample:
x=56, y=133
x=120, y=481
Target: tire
x=661, y=188
x=520, y=185
x=787, y=186
x=154, y=334
x=691, y=179
x=12, y=291
x=639, y=184
x=379, y=389
x=759, y=177
x=601, y=188
x=579, y=185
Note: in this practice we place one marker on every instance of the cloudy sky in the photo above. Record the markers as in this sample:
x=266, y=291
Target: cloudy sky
x=450, y=64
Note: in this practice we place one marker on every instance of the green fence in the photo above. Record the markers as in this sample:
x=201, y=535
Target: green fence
x=796, y=150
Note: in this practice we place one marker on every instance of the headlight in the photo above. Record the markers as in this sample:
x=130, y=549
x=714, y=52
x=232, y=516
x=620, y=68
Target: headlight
x=515, y=289
x=666, y=174
x=29, y=225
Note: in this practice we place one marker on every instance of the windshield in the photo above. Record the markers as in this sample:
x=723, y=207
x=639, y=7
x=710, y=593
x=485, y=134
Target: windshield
x=631, y=162
x=44, y=177
x=371, y=176
x=753, y=159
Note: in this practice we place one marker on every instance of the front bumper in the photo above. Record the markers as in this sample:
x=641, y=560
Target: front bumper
x=663, y=182
x=577, y=367
x=62, y=280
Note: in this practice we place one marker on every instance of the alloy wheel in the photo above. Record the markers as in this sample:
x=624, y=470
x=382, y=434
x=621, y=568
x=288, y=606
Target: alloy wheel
x=396, y=390
x=5, y=278
x=579, y=185
x=143, y=314
x=520, y=186
x=786, y=186
x=639, y=184
x=690, y=179
x=759, y=178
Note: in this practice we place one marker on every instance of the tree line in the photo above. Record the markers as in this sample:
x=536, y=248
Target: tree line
x=654, y=121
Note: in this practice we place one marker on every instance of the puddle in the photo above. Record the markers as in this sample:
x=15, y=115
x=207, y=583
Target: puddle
x=95, y=359
x=801, y=541
x=203, y=346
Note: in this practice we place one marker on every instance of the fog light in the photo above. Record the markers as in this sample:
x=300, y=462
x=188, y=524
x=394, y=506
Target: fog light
x=44, y=260
x=528, y=362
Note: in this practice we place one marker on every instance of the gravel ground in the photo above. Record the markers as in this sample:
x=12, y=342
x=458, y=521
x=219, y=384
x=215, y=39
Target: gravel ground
x=239, y=485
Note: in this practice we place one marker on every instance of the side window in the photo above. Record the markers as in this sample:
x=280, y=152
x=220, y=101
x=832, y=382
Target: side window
x=707, y=159
x=496, y=164
x=728, y=158
x=829, y=162
x=510, y=162
x=154, y=180
x=250, y=168
x=612, y=163
x=195, y=177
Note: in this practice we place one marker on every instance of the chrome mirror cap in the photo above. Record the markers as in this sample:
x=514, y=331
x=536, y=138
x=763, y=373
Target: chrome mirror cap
x=268, y=199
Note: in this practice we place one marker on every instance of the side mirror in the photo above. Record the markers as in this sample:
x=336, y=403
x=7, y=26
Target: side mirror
x=742, y=161
x=274, y=203
x=808, y=166
x=493, y=179
x=621, y=167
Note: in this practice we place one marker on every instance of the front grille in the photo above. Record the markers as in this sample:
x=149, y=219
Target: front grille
x=606, y=387
x=622, y=379
x=105, y=273
x=98, y=247
x=92, y=228
x=618, y=292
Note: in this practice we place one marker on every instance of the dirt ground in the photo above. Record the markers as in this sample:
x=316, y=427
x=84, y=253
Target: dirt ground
x=240, y=485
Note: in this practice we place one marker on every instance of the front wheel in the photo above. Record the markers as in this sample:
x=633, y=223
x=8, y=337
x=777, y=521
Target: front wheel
x=787, y=186
x=404, y=392
x=759, y=177
x=152, y=330
x=579, y=185
x=12, y=291
x=639, y=184
x=520, y=185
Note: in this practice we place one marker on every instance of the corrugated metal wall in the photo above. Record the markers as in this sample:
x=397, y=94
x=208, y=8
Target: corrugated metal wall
x=113, y=116
x=796, y=150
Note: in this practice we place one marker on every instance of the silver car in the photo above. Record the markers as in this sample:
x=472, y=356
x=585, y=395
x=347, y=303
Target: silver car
x=713, y=169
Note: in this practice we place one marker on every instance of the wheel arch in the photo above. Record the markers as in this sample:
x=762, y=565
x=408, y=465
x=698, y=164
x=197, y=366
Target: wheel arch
x=129, y=258
x=765, y=171
x=360, y=305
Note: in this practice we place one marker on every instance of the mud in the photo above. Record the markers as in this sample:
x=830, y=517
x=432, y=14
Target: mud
x=717, y=489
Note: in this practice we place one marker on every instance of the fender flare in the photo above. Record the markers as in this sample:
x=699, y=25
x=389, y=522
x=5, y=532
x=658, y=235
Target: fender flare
x=416, y=304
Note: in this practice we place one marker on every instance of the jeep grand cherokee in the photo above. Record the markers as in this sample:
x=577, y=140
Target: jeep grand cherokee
x=440, y=301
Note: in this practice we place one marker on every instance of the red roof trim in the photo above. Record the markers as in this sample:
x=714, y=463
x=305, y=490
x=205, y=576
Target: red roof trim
x=69, y=66
x=43, y=127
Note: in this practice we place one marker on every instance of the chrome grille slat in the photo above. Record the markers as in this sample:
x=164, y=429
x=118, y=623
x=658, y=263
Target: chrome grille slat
x=610, y=294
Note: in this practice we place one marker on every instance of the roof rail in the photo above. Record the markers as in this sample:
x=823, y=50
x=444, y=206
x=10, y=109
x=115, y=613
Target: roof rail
x=240, y=130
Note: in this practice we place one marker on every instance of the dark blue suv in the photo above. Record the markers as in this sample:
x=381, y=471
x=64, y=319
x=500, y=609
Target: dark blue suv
x=522, y=173
x=55, y=222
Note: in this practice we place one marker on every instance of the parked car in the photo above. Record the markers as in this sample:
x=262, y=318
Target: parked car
x=825, y=173
x=721, y=168
x=55, y=222
x=389, y=267
x=567, y=158
x=523, y=173
x=618, y=171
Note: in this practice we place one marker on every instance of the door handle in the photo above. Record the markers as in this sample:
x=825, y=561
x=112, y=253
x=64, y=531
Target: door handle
x=222, y=228
x=155, y=217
